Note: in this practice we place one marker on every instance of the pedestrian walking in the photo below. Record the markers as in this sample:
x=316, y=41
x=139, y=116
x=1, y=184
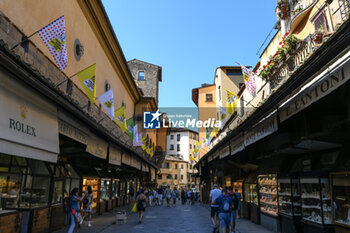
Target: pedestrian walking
x=131, y=195
x=192, y=197
x=183, y=196
x=239, y=212
x=160, y=196
x=235, y=201
x=141, y=200
x=168, y=195
x=225, y=206
x=75, y=209
x=174, y=196
x=189, y=196
x=87, y=204
x=214, y=210
x=66, y=208
x=150, y=198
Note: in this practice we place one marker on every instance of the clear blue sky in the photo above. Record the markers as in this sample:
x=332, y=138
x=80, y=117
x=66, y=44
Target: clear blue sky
x=190, y=38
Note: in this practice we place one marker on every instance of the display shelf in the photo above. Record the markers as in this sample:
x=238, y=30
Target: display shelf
x=268, y=193
x=316, y=206
x=341, y=198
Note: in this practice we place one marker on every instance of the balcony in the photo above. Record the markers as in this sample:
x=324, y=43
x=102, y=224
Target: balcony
x=299, y=9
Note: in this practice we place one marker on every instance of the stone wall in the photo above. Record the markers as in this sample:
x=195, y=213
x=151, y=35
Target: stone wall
x=149, y=86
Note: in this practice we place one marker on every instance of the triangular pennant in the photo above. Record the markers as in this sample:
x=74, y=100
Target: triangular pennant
x=107, y=102
x=54, y=37
x=120, y=118
x=130, y=127
x=87, y=78
x=232, y=100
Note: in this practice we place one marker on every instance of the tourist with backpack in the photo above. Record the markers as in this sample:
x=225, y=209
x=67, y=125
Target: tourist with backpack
x=235, y=201
x=141, y=201
x=75, y=209
x=225, y=205
x=87, y=204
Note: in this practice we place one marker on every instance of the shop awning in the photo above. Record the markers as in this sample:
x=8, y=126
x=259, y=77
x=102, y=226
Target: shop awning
x=126, y=158
x=115, y=155
x=307, y=146
x=28, y=122
x=97, y=146
x=322, y=84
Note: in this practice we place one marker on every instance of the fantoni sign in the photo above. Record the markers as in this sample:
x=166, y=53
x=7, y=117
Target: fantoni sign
x=319, y=89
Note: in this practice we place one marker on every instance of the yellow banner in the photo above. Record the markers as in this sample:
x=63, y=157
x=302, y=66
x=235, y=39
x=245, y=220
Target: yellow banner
x=232, y=100
x=120, y=118
x=87, y=78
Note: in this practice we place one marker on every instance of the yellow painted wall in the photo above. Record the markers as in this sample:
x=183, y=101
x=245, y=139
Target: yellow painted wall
x=206, y=110
x=272, y=48
x=225, y=82
x=31, y=15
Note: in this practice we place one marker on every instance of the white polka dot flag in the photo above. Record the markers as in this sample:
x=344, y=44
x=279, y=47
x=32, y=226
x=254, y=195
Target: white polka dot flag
x=54, y=37
x=249, y=80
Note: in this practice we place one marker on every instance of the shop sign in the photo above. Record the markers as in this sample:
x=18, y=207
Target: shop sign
x=72, y=132
x=126, y=159
x=261, y=130
x=28, y=122
x=225, y=151
x=319, y=89
x=115, y=155
x=97, y=146
x=237, y=144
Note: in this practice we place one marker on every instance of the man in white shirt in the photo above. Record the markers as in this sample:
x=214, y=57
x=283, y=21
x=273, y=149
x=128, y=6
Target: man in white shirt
x=214, y=193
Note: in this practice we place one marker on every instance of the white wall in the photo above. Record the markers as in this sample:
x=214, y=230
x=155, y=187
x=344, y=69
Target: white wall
x=184, y=144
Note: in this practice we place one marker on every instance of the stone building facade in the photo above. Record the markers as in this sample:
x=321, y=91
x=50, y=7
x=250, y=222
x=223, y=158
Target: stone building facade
x=147, y=77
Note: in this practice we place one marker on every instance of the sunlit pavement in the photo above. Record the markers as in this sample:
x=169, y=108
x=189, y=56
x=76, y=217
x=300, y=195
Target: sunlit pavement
x=182, y=218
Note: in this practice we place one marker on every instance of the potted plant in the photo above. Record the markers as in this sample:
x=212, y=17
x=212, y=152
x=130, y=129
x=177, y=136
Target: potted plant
x=282, y=9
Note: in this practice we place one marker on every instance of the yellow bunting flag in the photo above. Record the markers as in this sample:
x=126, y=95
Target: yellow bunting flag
x=192, y=159
x=120, y=118
x=231, y=102
x=87, y=78
x=143, y=144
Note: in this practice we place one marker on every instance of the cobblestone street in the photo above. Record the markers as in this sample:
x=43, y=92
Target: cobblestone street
x=182, y=218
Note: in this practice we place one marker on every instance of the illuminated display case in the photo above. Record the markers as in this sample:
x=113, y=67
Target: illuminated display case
x=316, y=201
x=94, y=183
x=289, y=197
x=239, y=186
x=341, y=198
x=105, y=188
x=251, y=193
x=268, y=194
